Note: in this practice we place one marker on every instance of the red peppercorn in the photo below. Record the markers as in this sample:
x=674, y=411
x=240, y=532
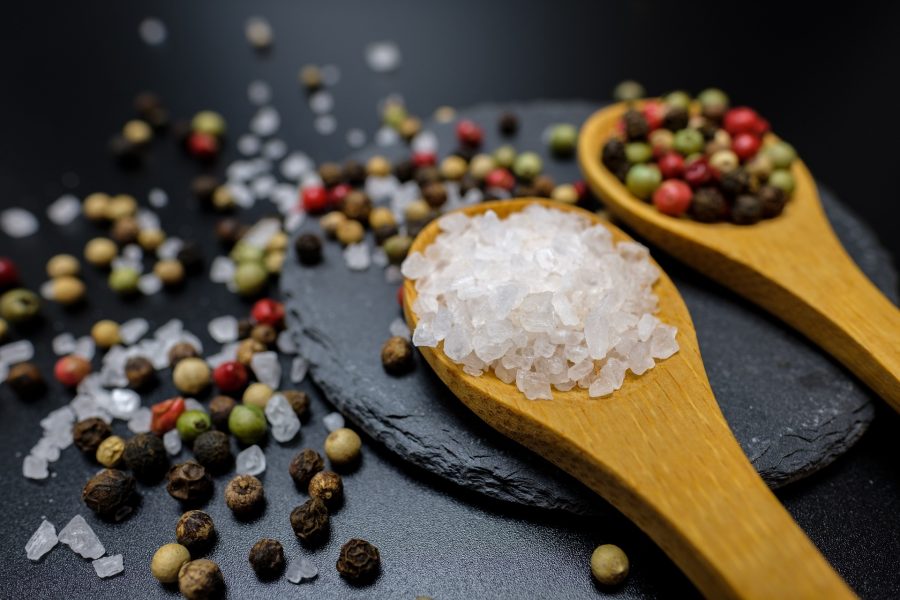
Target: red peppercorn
x=740, y=120
x=424, y=159
x=500, y=178
x=581, y=189
x=337, y=194
x=698, y=172
x=469, y=133
x=655, y=112
x=673, y=197
x=268, y=312
x=745, y=145
x=400, y=295
x=314, y=199
x=71, y=369
x=9, y=274
x=760, y=127
x=671, y=164
x=230, y=376
x=163, y=415
x=202, y=145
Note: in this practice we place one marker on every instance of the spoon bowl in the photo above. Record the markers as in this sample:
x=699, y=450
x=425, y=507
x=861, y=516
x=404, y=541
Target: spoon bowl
x=660, y=451
x=792, y=265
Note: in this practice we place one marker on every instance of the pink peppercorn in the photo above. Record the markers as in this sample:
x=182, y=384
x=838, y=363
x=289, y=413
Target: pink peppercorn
x=673, y=197
x=268, y=312
x=202, y=145
x=469, y=133
x=500, y=178
x=745, y=145
x=671, y=164
x=314, y=199
x=698, y=173
x=9, y=274
x=70, y=370
x=740, y=120
x=230, y=376
x=655, y=112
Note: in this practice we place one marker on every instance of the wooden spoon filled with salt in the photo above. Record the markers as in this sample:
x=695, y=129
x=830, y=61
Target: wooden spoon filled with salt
x=659, y=450
x=792, y=265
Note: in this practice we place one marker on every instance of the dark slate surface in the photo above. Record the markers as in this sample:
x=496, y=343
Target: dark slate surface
x=792, y=408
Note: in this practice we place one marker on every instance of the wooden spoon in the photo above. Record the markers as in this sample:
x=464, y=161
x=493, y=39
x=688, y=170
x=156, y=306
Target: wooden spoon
x=792, y=265
x=660, y=451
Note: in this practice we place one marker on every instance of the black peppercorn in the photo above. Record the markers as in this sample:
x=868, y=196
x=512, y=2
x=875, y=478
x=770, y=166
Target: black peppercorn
x=229, y=230
x=676, y=118
x=735, y=182
x=26, y=380
x=195, y=531
x=613, y=154
x=201, y=580
x=773, y=200
x=543, y=186
x=212, y=449
x=191, y=258
x=267, y=558
x=299, y=401
x=109, y=493
x=354, y=173
x=126, y=153
x=435, y=194
x=404, y=170
x=357, y=205
x=310, y=521
x=307, y=463
x=189, y=482
x=359, y=561
x=328, y=487
x=145, y=103
x=140, y=372
x=331, y=174
x=747, y=210
x=180, y=351
x=467, y=183
x=245, y=328
x=88, y=433
x=397, y=356
x=384, y=232
x=708, y=129
x=636, y=127
x=426, y=175
x=146, y=456
x=220, y=409
x=708, y=205
x=508, y=124
x=203, y=187
x=309, y=249
x=264, y=334
x=244, y=495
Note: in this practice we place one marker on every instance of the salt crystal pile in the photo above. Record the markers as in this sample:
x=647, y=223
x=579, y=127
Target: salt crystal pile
x=108, y=566
x=251, y=461
x=282, y=418
x=79, y=536
x=42, y=541
x=542, y=298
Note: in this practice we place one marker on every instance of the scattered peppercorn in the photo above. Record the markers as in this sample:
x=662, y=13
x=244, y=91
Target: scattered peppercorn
x=124, y=280
x=19, y=305
x=772, y=199
x=189, y=483
x=230, y=376
x=62, y=265
x=67, y=290
x=105, y=333
x=247, y=423
x=109, y=452
x=200, y=580
x=245, y=327
x=180, y=351
x=169, y=271
x=264, y=334
x=350, y=232
x=397, y=356
x=146, y=456
x=342, y=447
x=299, y=401
x=100, y=252
x=26, y=380
x=508, y=124
x=191, y=375
x=357, y=206
x=167, y=562
x=308, y=247
x=257, y=394
x=220, y=408
x=328, y=487
x=191, y=258
x=250, y=278
x=109, y=493
x=609, y=565
x=304, y=466
x=212, y=449
x=95, y=206
x=140, y=372
x=192, y=423
x=267, y=558
x=359, y=561
x=244, y=495
x=70, y=370
x=88, y=433
x=195, y=531
x=125, y=231
x=310, y=521
x=4, y=329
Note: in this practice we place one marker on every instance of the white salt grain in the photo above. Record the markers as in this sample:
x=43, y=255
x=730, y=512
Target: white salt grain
x=299, y=367
x=248, y=145
x=283, y=420
x=321, y=102
x=301, y=570
x=172, y=441
x=356, y=138
x=108, y=566
x=265, y=122
x=157, y=198
x=16, y=352
x=42, y=541
x=140, y=421
x=35, y=467
x=64, y=210
x=152, y=31
x=223, y=329
x=149, y=284
x=383, y=57
x=18, y=222
x=259, y=92
x=267, y=369
x=325, y=124
x=332, y=421
x=79, y=536
x=357, y=256
x=251, y=461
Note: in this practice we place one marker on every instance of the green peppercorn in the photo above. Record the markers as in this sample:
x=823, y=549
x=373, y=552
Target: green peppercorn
x=250, y=278
x=124, y=280
x=244, y=252
x=782, y=178
x=781, y=154
x=688, y=141
x=628, y=91
x=481, y=165
x=247, y=423
x=19, y=305
x=209, y=122
x=678, y=99
x=505, y=156
x=192, y=423
x=713, y=103
x=638, y=152
x=396, y=247
x=642, y=180
x=609, y=564
x=563, y=139
x=527, y=166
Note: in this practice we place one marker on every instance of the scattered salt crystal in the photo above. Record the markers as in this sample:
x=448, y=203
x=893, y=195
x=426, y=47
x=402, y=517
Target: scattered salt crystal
x=149, y=284
x=398, y=327
x=356, y=138
x=61, y=418
x=169, y=248
x=46, y=449
x=331, y=74
x=18, y=222
x=152, y=31
x=46, y=290
x=379, y=257
x=267, y=369
x=295, y=165
x=223, y=329
x=227, y=353
x=123, y=403
x=387, y=136
x=332, y=421
x=293, y=221
x=393, y=274
x=242, y=194
x=357, y=256
x=132, y=330
x=301, y=570
x=16, y=352
x=157, y=198
x=325, y=124
x=221, y=270
x=299, y=367
x=283, y=420
x=193, y=404
x=259, y=92
x=258, y=32
x=64, y=210
x=426, y=141
x=275, y=149
x=79, y=536
x=321, y=102
x=285, y=342
x=108, y=566
x=147, y=219
x=35, y=467
x=248, y=145
x=381, y=188
x=140, y=422
x=383, y=57
x=172, y=441
x=265, y=122
x=262, y=186
x=251, y=461
x=85, y=347
x=42, y=541
x=261, y=233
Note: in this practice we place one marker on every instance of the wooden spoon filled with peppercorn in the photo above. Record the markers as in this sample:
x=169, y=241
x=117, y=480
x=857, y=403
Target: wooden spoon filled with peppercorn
x=782, y=255
x=659, y=450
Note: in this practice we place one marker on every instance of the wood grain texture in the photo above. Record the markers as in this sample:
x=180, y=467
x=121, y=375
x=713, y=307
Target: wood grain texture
x=792, y=265
x=660, y=451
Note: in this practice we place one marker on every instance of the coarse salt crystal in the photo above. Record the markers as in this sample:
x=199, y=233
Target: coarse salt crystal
x=64, y=210
x=18, y=222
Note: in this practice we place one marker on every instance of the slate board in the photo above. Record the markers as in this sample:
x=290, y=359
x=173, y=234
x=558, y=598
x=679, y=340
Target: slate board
x=792, y=407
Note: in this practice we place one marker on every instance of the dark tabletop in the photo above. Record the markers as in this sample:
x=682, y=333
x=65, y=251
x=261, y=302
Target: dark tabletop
x=70, y=72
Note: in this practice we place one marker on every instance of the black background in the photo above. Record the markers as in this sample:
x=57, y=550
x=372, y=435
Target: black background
x=69, y=73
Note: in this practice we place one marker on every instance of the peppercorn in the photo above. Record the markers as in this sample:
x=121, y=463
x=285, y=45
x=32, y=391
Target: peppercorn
x=350, y=232
x=151, y=239
x=109, y=493
x=181, y=351
x=697, y=172
x=140, y=372
x=164, y=415
x=264, y=334
x=169, y=271
x=566, y=193
x=504, y=157
x=268, y=312
x=4, y=329
x=299, y=401
x=745, y=145
x=203, y=187
x=19, y=305
x=635, y=124
x=330, y=222
x=67, y=290
x=378, y=166
x=354, y=173
x=61, y=265
x=26, y=380
x=435, y=194
x=230, y=376
x=200, y=580
x=208, y=122
x=310, y=77
x=310, y=521
x=782, y=178
x=220, y=408
x=245, y=328
x=613, y=154
x=676, y=118
x=95, y=206
x=453, y=168
x=191, y=375
x=244, y=495
x=397, y=247
x=213, y=450
x=328, y=487
x=124, y=280
x=105, y=333
x=331, y=174
x=70, y=370
x=735, y=182
x=709, y=205
x=342, y=447
x=244, y=253
x=195, y=531
x=267, y=558
x=628, y=91
x=125, y=230
x=724, y=161
x=713, y=103
x=638, y=152
x=247, y=423
x=257, y=394
x=304, y=466
x=137, y=132
x=229, y=231
x=223, y=199
x=381, y=234
x=781, y=154
x=359, y=561
x=126, y=154
x=397, y=356
x=250, y=278
x=191, y=258
x=88, y=433
x=189, y=483
x=146, y=456
x=314, y=199
x=609, y=564
x=167, y=561
x=246, y=350
x=747, y=210
x=109, y=452
x=308, y=248
x=121, y=205
x=192, y=423
x=760, y=166
x=772, y=199
x=688, y=141
x=508, y=123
